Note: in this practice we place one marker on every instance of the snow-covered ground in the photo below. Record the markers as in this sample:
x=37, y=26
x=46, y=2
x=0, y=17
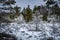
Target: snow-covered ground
x=21, y=30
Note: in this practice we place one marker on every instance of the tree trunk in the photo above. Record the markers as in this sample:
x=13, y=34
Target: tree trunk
x=59, y=18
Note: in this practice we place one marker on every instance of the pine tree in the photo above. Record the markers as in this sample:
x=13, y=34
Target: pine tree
x=54, y=11
x=17, y=10
x=36, y=8
x=45, y=16
x=7, y=5
x=48, y=4
x=27, y=14
x=9, y=2
x=24, y=13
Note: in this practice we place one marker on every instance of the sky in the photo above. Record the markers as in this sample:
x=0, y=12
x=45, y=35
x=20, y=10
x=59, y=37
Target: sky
x=25, y=3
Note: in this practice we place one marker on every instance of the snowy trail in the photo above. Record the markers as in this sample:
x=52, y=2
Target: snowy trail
x=21, y=31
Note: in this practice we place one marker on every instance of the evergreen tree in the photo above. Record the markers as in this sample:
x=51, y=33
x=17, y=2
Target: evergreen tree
x=27, y=13
x=48, y=3
x=56, y=11
x=7, y=5
x=24, y=13
x=36, y=8
x=17, y=10
x=9, y=2
x=1, y=1
x=45, y=16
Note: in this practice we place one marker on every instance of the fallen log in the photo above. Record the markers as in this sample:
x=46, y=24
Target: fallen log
x=4, y=36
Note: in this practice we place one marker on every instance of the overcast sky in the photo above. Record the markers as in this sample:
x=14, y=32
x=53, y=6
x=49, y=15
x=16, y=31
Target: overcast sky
x=24, y=3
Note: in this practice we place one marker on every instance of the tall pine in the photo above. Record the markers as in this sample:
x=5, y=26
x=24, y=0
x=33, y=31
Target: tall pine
x=27, y=13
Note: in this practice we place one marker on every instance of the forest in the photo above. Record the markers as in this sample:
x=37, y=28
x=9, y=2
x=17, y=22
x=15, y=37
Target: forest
x=50, y=9
x=40, y=23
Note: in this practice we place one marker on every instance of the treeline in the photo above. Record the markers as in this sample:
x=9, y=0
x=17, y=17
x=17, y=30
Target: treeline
x=51, y=9
x=28, y=13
